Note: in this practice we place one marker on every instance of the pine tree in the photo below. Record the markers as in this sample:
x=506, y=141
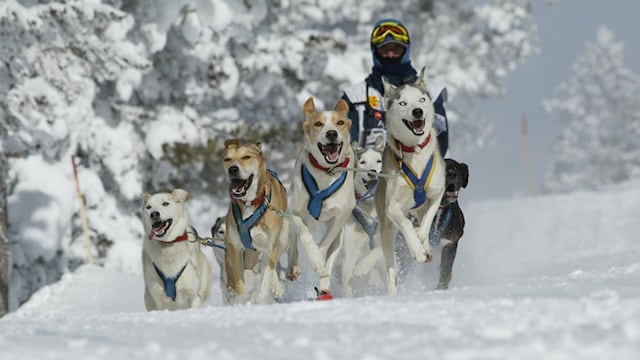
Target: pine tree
x=599, y=105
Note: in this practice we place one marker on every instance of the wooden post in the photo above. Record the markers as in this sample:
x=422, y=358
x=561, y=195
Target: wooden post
x=83, y=215
x=527, y=154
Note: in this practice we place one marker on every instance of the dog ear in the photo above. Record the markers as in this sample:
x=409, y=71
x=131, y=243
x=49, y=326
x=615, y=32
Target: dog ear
x=464, y=172
x=231, y=142
x=342, y=107
x=309, y=107
x=145, y=197
x=258, y=146
x=379, y=144
x=357, y=148
x=422, y=80
x=181, y=195
x=388, y=87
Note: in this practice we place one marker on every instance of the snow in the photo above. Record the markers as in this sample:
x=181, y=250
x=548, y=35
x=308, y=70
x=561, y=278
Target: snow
x=553, y=277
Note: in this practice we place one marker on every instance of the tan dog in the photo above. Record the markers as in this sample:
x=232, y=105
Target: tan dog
x=256, y=235
x=177, y=275
x=412, y=151
x=322, y=195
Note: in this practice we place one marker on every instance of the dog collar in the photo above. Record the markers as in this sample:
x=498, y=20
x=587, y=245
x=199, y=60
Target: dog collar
x=182, y=237
x=255, y=202
x=404, y=148
x=317, y=164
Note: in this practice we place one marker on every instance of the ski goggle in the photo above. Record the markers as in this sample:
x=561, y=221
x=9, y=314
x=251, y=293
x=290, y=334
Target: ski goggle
x=396, y=31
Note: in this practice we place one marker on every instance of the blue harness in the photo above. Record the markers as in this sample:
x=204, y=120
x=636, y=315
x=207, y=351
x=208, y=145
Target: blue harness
x=419, y=185
x=245, y=225
x=316, y=197
x=435, y=234
x=369, y=228
x=169, y=282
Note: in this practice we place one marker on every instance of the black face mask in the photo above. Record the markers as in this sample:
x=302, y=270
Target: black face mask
x=390, y=61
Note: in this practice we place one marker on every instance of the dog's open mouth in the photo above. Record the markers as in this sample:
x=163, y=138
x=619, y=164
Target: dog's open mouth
x=416, y=126
x=451, y=194
x=160, y=228
x=331, y=152
x=238, y=187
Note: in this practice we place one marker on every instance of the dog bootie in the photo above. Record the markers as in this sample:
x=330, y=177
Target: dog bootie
x=323, y=294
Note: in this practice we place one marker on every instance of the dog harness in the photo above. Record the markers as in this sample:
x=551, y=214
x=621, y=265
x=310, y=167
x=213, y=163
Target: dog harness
x=317, y=196
x=436, y=232
x=369, y=228
x=245, y=225
x=169, y=282
x=419, y=185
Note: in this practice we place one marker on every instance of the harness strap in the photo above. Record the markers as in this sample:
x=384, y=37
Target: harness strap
x=369, y=228
x=436, y=232
x=419, y=185
x=368, y=194
x=169, y=282
x=317, y=196
x=245, y=225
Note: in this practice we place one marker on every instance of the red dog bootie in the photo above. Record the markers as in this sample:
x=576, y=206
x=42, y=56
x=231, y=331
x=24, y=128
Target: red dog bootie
x=323, y=294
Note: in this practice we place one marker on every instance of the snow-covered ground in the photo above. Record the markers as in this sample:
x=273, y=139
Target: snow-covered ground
x=554, y=277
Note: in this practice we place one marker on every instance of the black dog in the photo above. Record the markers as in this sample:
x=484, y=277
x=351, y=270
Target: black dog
x=448, y=224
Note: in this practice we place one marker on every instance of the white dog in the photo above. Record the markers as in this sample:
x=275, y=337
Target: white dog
x=322, y=193
x=177, y=275
x=361, y=249
x=218, y=231
x=412, y=151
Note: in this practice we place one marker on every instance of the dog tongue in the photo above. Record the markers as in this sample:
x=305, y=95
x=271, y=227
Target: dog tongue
x=418, y=125
x=331, y=152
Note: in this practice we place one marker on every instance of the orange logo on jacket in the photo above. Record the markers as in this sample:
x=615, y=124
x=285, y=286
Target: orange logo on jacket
x=374, y=102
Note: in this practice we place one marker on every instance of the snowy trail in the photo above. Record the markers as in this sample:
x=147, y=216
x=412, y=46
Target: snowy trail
x=534, y=279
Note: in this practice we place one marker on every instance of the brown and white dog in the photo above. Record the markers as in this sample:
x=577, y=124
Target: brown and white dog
x=412, y=151
x=256, y=234
x=322, y=194
x=177, y=275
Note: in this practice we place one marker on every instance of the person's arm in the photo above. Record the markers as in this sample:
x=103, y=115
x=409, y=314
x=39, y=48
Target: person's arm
x=441, y=123
x=354, y=117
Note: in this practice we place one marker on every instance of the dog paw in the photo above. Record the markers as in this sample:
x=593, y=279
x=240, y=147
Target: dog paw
x=423, y=258
x=293, y=273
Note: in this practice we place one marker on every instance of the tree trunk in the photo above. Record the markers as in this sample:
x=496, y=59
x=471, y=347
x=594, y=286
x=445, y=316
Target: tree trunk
x=4, y=238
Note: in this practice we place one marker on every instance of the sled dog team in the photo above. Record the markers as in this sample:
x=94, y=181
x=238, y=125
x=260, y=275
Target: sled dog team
x=339, y=212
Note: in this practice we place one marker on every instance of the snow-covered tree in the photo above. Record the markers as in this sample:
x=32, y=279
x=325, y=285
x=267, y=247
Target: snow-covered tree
x=599, y=106
x=61, y=65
